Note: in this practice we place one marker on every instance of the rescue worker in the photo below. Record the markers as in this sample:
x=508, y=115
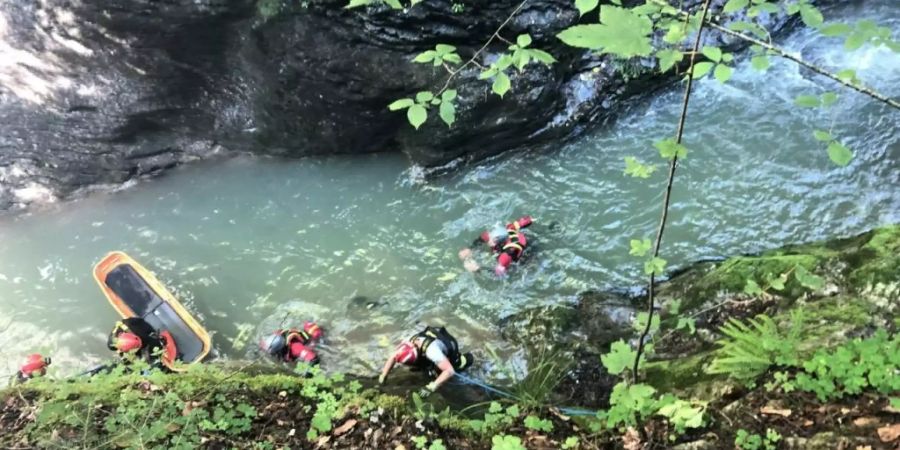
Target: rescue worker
x=509, y=244
x=433, y=350
x=293, y=345
x=35, y=366
x=134, y=336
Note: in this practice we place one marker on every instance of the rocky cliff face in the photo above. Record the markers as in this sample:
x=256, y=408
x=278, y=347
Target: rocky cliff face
x=103, y=91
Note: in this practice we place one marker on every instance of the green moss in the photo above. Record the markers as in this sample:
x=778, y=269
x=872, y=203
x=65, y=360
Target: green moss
x=687, y=377
x=878, y=261
x=830, y=320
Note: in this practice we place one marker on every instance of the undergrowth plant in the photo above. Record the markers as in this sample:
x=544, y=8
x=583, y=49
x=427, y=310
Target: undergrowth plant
x=751, y=347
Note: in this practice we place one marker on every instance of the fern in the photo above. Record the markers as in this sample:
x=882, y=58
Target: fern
x=750, y=348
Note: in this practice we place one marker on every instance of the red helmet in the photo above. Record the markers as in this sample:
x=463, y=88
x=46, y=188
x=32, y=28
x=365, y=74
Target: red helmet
x=300, y=352
x=406, y=353
x=312, y=330
x=127, y=342
x=524, y=221
x=34, y=365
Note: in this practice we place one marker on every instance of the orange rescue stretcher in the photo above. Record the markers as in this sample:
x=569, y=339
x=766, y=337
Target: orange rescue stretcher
x=134, y=292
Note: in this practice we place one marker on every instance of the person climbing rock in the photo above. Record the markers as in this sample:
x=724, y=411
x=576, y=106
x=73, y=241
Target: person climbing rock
x=35, y=366
x=134, y=337
x=433, y=350
x=293, y=345
x=509, y=243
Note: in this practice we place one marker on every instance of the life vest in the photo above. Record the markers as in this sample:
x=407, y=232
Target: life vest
x=294, y=335
x=152, y=341
x=515, y=243
x=430, y=334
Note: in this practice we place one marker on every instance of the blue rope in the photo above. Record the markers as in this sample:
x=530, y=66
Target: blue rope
x=577, y=412
x=485, y=386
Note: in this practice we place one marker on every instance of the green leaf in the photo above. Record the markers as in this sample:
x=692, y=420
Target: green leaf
x=443, y=49
x=835, y=29
x=752, y=288
x=424, y=96
x=490, y=72
x=895, y=402
x=760, y=62
x=713, y=53
x=424, y=57
x=701, y=69
x=448, y=95
x=839, y=154
x=723, y=73
x=808, y=279
x=735, y=5
x=401, y=104
x=435, y=101
x=619, y=358
x=822, y=135
x=829, y=98
x=727, y=57
x=811, y=15
x=621, y=32
x=669, y=149
x=640, y=247
x=687, y=322
x=767, y=7
x=668, y=58
x=394, y=4
x=453, y=58
x=675, y=34
x=753, y=28
x=447, y=112
x=358, y=3
x=640, y=322
x=807, y=101
x=416, y=115
x=777, y=283
x=673, y=306
x=855, y=41
x=538, y=424
x=635, y=168
x=847, y=75
x=586, y=6
x=655, y=266
x=541, y=56
x=793, y=8
x=501, y=84
x=523, y=40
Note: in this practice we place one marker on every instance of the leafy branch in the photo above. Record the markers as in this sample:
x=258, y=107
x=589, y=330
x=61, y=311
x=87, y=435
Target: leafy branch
x=673, y=164
x=846, y=78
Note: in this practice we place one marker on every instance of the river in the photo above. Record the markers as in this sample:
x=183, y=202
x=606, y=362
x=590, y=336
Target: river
x=247, y=242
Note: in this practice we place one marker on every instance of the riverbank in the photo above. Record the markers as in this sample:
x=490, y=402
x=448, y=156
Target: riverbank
x=837, y=297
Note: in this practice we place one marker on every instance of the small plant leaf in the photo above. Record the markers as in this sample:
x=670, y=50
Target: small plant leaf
x=640, y=247
x=839, y=154
x=723, y=73
x=822, y=135
x=523, y=40
x=403, y=103
x=735, y=5
x=416, y=115
x=619, y=358
x=668, y=58
x=586, y=6
x=501, y=84
x=655, y=266
x=713, y=53
x=760, y=62
x=701, y=69
x=447, y=111
x=807, y=101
